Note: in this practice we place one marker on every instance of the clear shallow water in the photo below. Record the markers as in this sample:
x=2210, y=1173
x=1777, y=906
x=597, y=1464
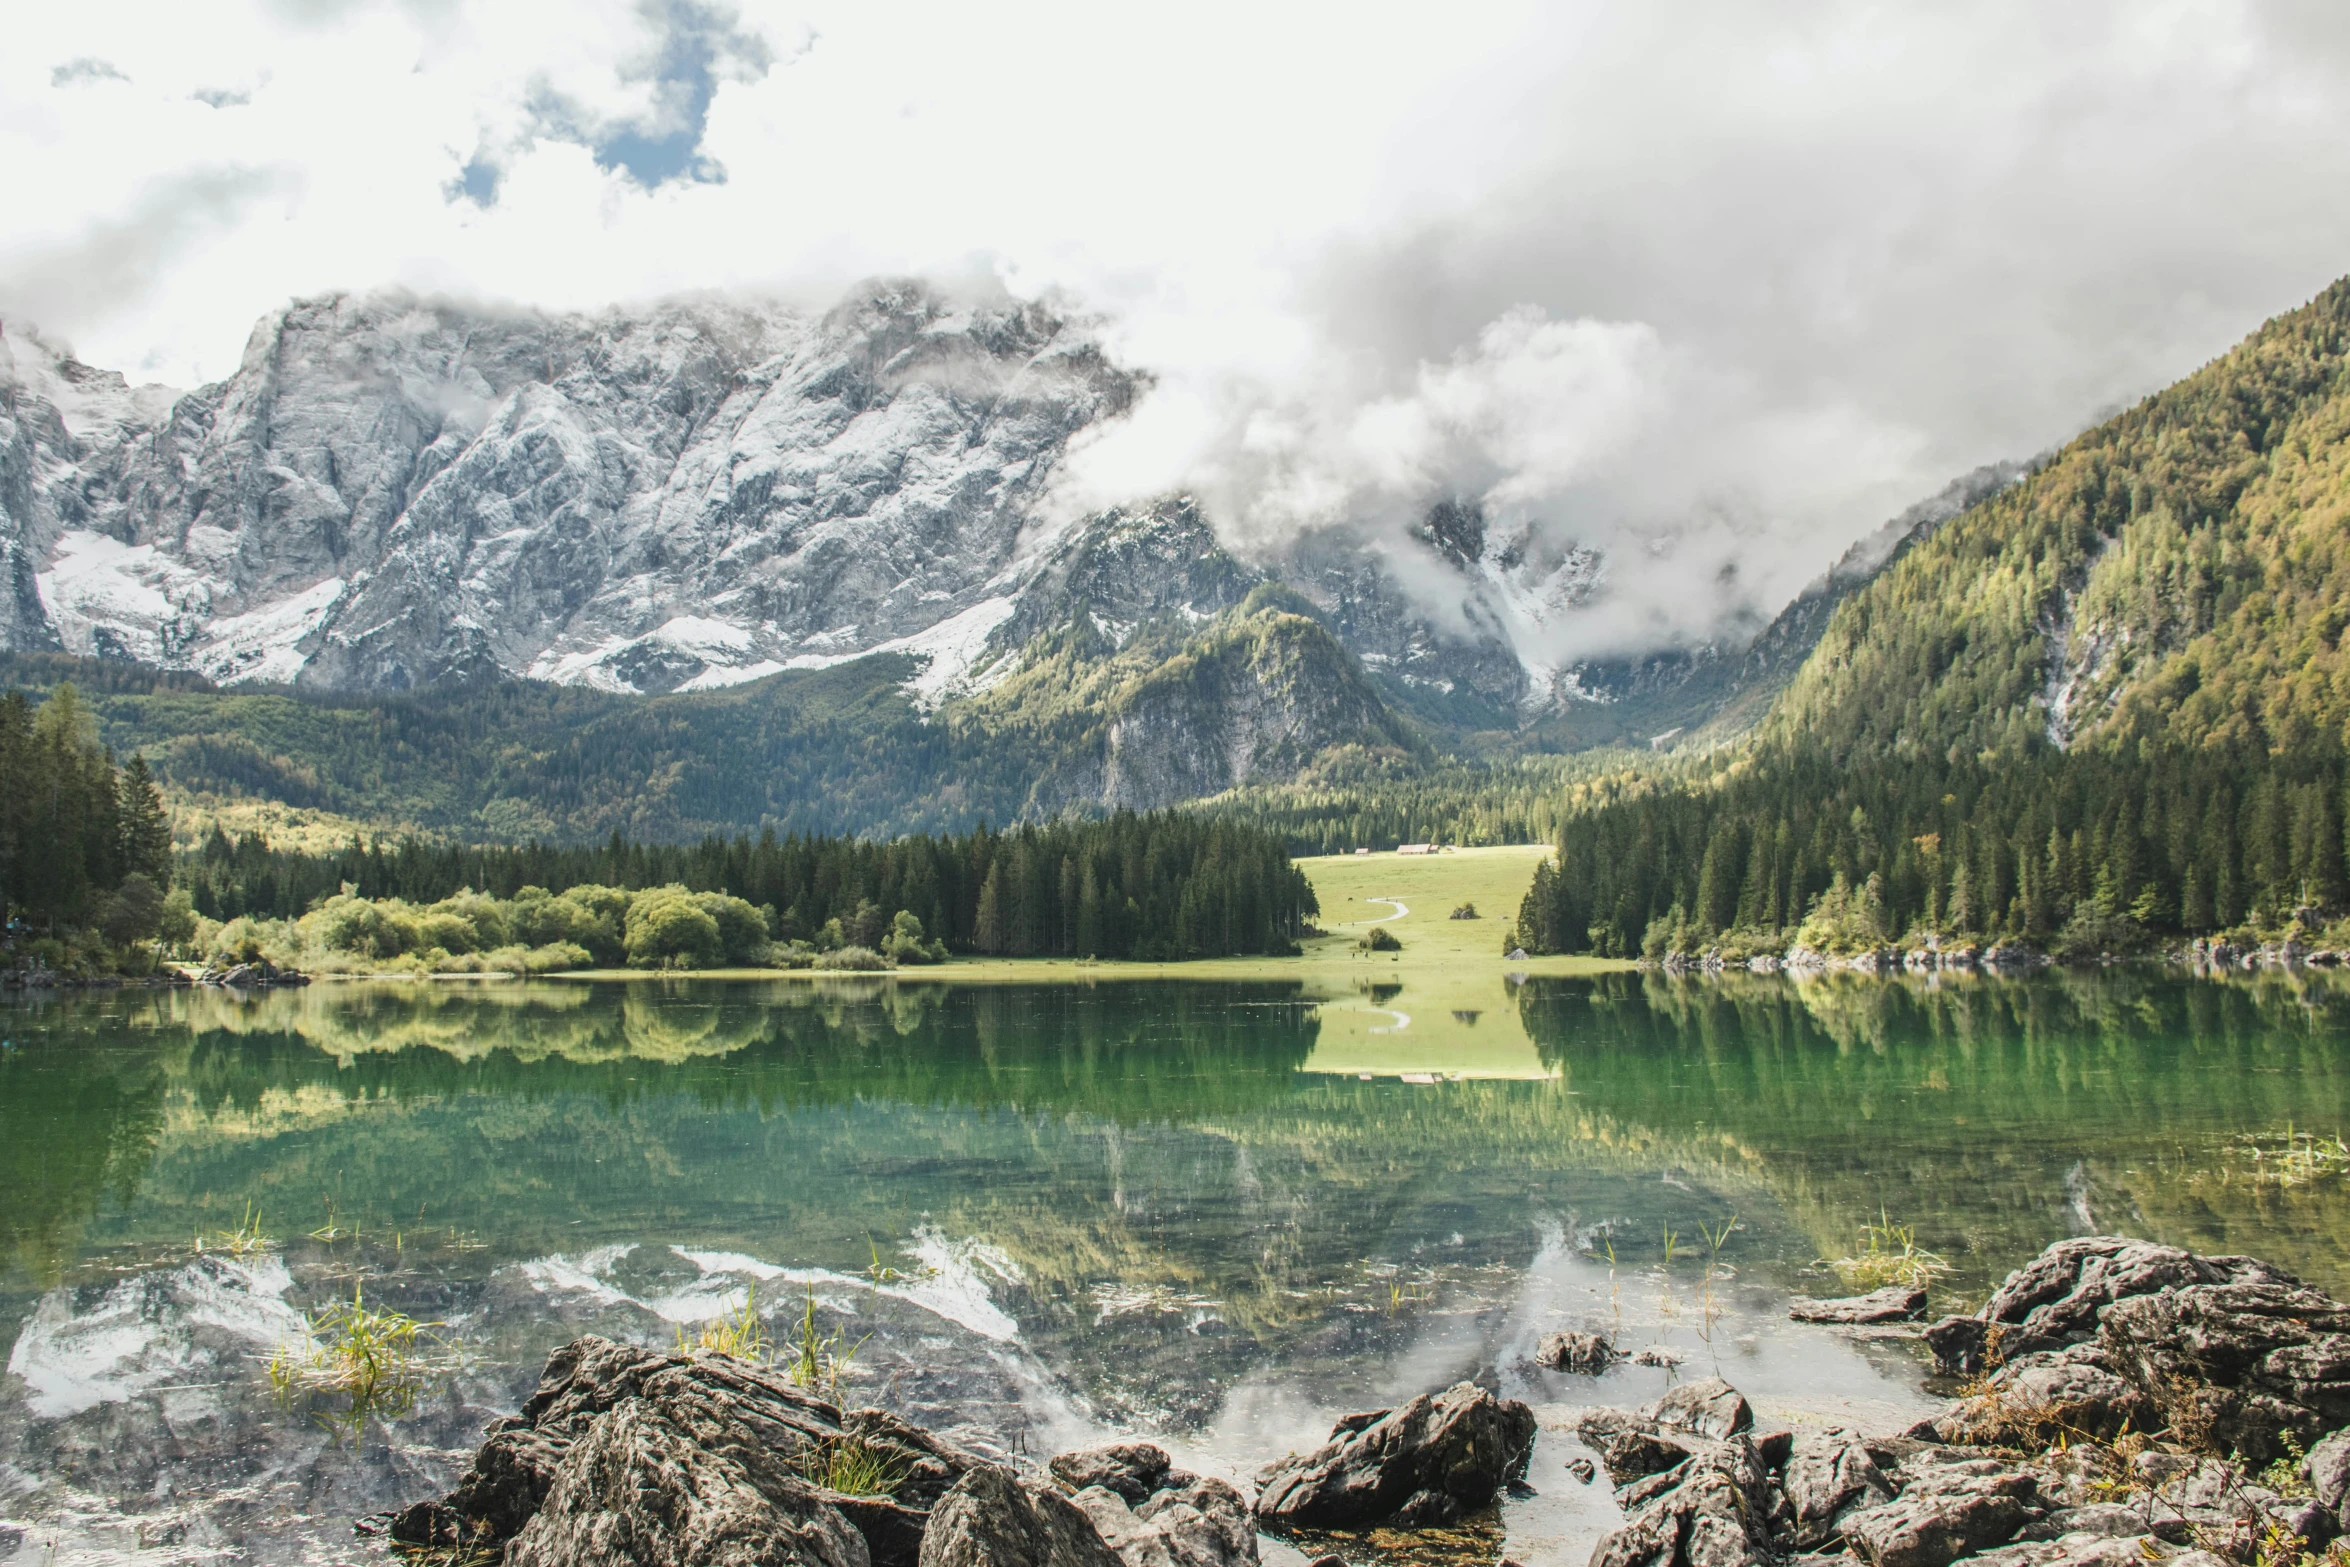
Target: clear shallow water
x=1218, y=1214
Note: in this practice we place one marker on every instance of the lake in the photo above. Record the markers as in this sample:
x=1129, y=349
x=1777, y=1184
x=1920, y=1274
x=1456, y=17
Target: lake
x=1219, y=1214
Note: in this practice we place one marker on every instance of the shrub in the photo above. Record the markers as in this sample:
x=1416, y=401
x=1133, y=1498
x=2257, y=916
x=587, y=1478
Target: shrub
x=742, y=929
x=667, y=928
x=1845, y=920
x=1380, y=939
x=450, y=932
x=905, y=944
x=354, y=925
x=859, y=959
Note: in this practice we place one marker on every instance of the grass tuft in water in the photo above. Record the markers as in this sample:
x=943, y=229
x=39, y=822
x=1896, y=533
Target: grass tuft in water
x=2297, y=1158
x=370, y=1358
x=737, y=1333
x=814, y=1359
x=1889, y=1254
x=246, y=1240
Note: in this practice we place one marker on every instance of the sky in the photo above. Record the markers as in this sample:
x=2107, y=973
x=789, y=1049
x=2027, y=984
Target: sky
x=1712, y=287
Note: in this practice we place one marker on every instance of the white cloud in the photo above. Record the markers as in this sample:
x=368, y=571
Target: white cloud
x=1708, y=284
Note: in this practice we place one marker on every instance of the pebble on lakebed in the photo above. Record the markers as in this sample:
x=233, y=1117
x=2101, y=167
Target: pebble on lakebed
x=2108, y=1376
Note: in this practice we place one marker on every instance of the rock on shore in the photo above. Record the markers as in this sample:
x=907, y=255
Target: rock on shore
x=2110, y=1377
x=1431, y=1461
x=632, y=1456
x=2129, y=1402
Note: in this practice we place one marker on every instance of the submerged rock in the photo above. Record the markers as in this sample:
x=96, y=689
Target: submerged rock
x=1894, y=1303
x=1588, y=1352
x=1431, y=1461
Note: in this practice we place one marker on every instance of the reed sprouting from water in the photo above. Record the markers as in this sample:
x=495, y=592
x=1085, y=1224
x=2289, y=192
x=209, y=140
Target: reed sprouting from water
x=371, y=1359
x=739, y=1333
x=1889, y=1254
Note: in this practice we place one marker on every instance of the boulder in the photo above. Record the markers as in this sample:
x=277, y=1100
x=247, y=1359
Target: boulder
x=1629, y=1445
x=2050, y=1394
x=2061, y=1297
x=1831, y=1476
x=1894, y=1303
x=2235, y=1366
x=994, y=1518
x=1155, y=1515
x=1710, y=1408
x=1199, y=1522
x=1945, y=1512
x=721, y=1445
x=1719, y=1513
x=648, y=1486
x=1587, y=1352
x=1131, y=1469
x=2327, y=1469
x=1432, y=1461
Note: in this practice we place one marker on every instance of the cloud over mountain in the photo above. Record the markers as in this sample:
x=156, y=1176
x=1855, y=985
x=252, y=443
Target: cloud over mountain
x=1704, y=287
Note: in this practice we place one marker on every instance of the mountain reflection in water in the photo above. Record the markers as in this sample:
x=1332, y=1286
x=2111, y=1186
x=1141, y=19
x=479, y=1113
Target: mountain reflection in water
x=1219, y=1213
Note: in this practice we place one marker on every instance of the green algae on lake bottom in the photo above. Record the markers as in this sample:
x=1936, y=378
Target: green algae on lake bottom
x=1210, y=1210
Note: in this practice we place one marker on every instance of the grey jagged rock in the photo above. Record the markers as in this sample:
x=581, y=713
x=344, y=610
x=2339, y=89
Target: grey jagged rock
x=1155, y=1515
x=1431, y=1461
x=1629, y=1445
x=993, y=1517
x=1830, y=1476
x=2244, y=1364
x=1719, y=1512
x=2100, y=1334
x=1133, y=1470
x=1944, y=1512
x=1710, y=1408
x=1203, y=1523
x=650, y=1485
x=711, y=1448
x=2048, y=1392
x=2060, y=1296
x=1894, y=1303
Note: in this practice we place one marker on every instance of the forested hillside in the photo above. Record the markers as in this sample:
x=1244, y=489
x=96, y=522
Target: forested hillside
x=2107, y=703
x=1175, y=711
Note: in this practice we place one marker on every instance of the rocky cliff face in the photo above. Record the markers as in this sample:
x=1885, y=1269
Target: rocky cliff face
x=391, y=493
x=395, y=494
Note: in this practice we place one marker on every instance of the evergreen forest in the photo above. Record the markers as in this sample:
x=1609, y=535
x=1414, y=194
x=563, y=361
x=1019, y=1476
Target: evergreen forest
x=2104, y=707
x=85, y=844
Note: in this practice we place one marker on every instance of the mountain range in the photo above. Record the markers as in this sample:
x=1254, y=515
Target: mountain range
x=693, y=509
